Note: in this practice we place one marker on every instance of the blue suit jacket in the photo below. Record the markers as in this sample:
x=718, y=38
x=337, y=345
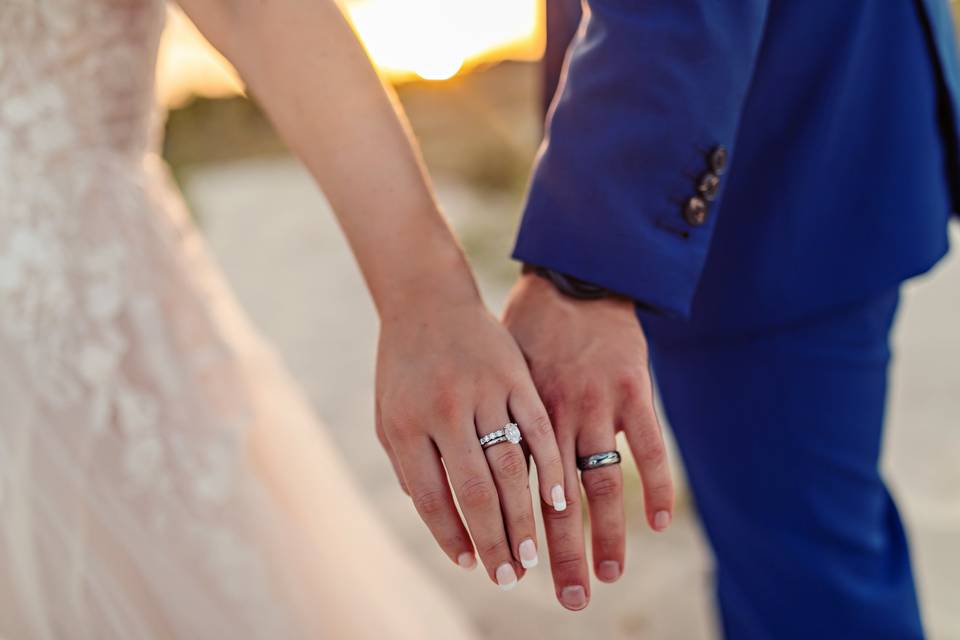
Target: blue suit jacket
x=840, y=123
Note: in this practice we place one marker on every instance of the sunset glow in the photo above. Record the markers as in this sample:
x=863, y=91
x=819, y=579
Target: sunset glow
x=434, y=39
x=407, y=39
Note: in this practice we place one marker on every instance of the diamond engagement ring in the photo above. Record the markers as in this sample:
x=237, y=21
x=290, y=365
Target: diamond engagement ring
x=510, y=432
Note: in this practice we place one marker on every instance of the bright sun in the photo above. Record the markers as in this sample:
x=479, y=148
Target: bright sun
x=428, y=39
x=434, y=39
x=440, y=68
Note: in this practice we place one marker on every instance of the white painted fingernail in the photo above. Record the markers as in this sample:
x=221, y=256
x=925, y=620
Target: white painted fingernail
x=467, y=561
x=506, y=576
x=528, y=554
x=558, y=497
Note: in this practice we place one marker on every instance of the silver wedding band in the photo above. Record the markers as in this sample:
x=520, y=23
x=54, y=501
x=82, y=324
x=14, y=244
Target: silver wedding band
x=597, y=460
x=509, y=432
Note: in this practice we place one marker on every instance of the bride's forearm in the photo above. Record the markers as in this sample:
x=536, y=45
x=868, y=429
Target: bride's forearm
x=444, y=364
x=302, y=61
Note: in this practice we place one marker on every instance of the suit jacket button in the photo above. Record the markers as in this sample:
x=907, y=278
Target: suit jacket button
x=718, y=160
x=695, y=211
x=708, y=185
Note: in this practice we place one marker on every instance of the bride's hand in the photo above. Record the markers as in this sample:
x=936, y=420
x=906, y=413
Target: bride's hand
x=447, y=373
x=447, y=369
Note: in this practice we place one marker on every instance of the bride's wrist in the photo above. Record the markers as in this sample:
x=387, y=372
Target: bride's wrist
x=436, y=277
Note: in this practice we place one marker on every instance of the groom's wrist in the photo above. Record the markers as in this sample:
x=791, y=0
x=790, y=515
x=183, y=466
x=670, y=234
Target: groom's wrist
x=576, y=289
x=570, y=286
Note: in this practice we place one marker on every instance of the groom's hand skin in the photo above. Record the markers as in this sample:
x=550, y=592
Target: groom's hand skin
x=589, y=362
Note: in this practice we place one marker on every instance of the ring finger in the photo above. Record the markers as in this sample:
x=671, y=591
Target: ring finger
x=508, y=463
x=476, y=493
x=604, y=489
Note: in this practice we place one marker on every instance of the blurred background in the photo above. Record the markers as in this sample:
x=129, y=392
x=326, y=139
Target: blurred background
x=468, y=75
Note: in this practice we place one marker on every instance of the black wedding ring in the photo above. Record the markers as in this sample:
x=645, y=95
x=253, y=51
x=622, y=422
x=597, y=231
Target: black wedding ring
x=597, y=460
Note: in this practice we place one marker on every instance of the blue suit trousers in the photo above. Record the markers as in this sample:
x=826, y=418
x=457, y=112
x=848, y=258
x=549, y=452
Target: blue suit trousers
x=780, y=431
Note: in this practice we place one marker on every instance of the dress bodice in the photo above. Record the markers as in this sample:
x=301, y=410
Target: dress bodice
x=76, y=76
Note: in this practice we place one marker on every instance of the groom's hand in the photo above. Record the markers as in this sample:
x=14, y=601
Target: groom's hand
x=589, y=363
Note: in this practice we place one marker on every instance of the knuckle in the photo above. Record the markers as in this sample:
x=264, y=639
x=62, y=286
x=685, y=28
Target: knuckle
x=522, y=519
x=661, y=491
x=451, y=542
x=652, y=449
x=553, y=517
x=567, y=538
x=512, y=465
x=608, y=545
x=628, y=386
x=400, y=428
x=599, y=484
x=446, y=403
x=572, y=511
x=554, y=395
x=492, y=547
x=552, y=462
x=476, y=493
x=430, y=503
x=566, y=561
x=539, y=427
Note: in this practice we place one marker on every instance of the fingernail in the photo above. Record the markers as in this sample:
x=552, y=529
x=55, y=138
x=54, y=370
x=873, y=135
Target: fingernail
x=609, y=571
x=506, y=576
x=467, y=561
x=528, y=554
x=559, y=499
x=574, y=597
x=661, y=520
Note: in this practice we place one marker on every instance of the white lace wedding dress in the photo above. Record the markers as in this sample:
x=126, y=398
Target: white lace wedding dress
x=160, y=474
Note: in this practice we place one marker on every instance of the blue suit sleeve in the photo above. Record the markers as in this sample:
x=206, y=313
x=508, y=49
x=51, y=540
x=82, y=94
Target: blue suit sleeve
x=651, y=89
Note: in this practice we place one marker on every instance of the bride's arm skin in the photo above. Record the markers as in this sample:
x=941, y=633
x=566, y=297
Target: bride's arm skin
x=446, y=368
